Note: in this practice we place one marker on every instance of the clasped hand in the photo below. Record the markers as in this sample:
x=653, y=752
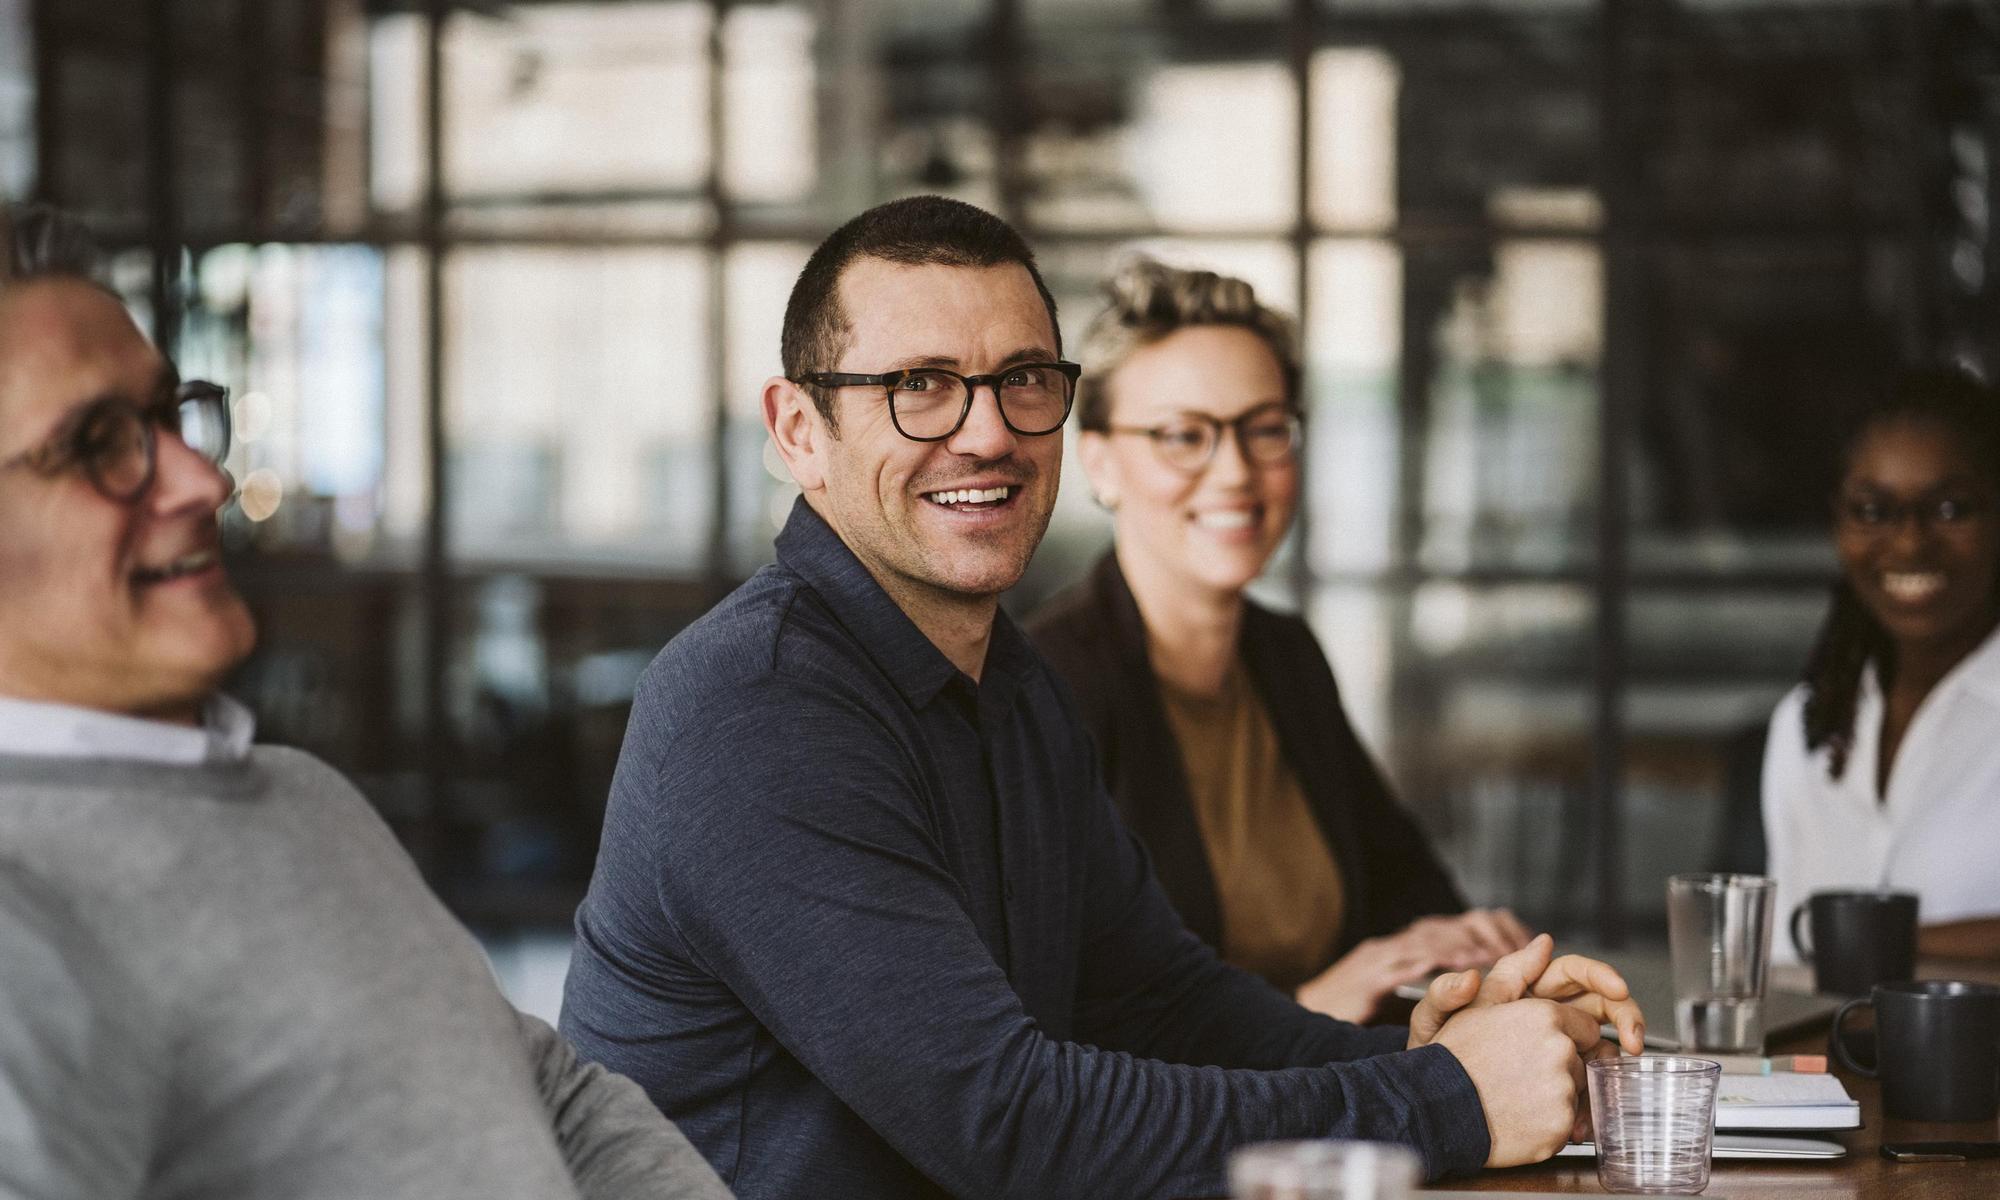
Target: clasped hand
x=1523, y=1034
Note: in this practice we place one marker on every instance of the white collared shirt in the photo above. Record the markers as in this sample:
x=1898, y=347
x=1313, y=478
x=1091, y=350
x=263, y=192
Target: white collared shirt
x=37, y=729
x=1937, y=831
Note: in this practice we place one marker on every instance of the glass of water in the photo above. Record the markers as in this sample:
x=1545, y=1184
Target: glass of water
x=1324, y=1170
x=1720, y=930
x=1655, y=1122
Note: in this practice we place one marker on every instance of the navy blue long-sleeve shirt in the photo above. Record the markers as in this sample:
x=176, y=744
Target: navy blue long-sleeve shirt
x=865, y=928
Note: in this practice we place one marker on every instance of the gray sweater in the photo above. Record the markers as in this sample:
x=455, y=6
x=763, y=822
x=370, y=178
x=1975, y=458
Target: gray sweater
x=229, y=981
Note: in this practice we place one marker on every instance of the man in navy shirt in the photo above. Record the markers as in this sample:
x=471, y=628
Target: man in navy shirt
x=864, y=923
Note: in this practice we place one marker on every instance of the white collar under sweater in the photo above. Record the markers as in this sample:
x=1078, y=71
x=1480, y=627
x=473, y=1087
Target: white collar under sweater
x=36, y=729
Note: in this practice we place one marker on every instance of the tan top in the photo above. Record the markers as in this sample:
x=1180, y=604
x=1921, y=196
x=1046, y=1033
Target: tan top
x=1276, y=879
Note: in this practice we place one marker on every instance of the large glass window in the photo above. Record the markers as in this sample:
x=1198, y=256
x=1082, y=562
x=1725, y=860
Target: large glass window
x=1579, y=316
x=578, y=404
x=17, y=99
x=758, y=279
x=302, y=334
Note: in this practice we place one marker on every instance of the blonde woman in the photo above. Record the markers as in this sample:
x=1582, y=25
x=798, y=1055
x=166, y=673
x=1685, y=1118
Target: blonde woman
x=1218, y=721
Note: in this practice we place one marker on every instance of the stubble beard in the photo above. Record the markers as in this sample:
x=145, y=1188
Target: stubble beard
x=922, y=578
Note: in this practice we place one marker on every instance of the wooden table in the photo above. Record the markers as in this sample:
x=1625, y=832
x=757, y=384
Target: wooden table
x=1863, y=1173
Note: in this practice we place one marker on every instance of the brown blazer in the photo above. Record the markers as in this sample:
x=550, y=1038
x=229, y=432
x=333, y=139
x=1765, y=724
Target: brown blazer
x=1094, y=637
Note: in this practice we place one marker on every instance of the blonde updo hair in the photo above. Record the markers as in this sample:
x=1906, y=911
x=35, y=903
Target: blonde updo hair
x=1149, y=300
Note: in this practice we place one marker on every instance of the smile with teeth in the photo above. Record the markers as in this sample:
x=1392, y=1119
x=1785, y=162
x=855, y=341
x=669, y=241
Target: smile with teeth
x=965, y=497
x=1226, y=519
x=187, y=564
x=1912, y=586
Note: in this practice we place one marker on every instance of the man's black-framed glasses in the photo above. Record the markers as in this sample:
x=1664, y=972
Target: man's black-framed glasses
x=929, y=404
x=114, y=442
x=1268, y=434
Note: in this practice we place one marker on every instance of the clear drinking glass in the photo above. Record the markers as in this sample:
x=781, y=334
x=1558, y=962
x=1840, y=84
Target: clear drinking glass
x=1655, y=1122
x=1323, y=1170
x=1720, y=929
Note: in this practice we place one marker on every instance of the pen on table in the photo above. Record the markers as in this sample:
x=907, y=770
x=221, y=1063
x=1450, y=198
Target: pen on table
x=1939, y=1151
x=1782, y=1064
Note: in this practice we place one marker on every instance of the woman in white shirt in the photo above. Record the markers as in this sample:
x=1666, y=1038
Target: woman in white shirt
x=1883, y=766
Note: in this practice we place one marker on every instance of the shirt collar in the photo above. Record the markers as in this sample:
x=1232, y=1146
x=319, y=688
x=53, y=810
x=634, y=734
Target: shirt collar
x=1979, y=671
x=37, y=729
x=809, y=547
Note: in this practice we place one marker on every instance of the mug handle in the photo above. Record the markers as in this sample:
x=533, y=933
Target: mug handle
x=1836, y=1039
x=1798, y=940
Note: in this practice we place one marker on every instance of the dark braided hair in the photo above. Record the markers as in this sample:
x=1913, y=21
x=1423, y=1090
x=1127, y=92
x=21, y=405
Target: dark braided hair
x=1851, y=638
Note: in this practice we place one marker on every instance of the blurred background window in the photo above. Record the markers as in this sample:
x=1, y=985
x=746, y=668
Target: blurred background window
x=1585, y=286
x=17, y=99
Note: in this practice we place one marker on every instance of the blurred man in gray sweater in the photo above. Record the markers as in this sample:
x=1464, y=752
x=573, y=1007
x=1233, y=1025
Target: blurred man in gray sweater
x=220, y=977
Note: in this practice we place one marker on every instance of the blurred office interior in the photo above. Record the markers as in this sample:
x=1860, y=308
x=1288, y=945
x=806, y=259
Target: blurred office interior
x=1585, y=287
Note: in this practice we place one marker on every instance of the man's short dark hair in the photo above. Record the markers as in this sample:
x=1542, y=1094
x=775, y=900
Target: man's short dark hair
x=916, y=231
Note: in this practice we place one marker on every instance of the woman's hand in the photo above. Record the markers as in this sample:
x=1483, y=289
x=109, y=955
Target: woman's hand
x=1354, y=987
x=1479, y=937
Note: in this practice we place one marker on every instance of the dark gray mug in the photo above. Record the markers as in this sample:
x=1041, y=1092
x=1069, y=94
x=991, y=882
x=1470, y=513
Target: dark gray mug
x=1859, y=939
x=1937, y=1049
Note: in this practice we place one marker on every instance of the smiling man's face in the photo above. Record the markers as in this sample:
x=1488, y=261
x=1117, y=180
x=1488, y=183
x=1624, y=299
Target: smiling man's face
x=121, y=607
x=950, y=521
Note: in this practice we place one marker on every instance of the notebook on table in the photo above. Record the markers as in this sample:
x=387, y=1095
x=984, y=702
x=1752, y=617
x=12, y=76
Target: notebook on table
x=1743, y=1145
x=1785, y=1100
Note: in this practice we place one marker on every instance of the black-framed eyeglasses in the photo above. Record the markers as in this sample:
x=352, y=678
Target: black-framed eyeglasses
x=929, y=404
x=1878, y=514
x=114, y=442
x=1268, y=434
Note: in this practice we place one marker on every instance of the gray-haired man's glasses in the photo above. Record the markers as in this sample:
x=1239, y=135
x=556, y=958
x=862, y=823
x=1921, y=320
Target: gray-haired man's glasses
x=114, y=442
x=929, y=404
